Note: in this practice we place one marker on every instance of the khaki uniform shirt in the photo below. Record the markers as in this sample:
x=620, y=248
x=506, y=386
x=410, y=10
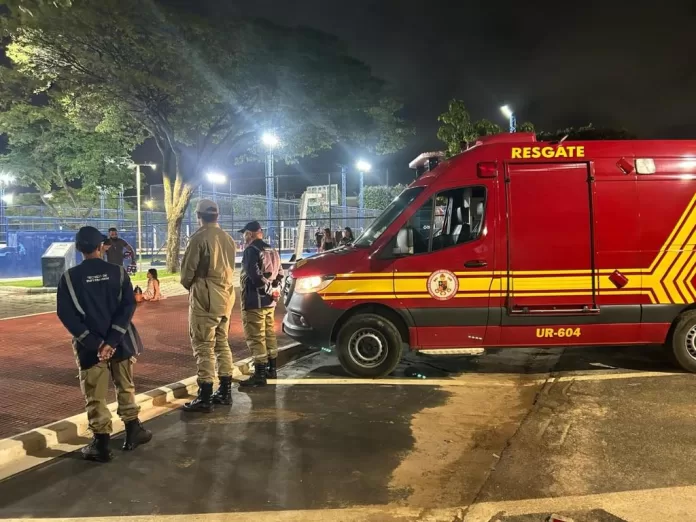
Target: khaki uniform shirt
x=207, y=271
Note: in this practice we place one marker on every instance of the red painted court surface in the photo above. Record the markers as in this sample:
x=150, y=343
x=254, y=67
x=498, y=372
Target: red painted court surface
x=38, y=375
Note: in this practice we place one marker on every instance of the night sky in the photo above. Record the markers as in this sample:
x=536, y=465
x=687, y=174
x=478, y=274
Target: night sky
x=558, y=64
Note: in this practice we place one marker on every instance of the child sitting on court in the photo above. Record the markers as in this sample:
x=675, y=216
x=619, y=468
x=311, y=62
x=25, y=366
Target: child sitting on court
x=153, y=292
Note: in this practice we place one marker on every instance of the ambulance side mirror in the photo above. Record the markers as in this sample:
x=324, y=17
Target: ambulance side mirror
x=404, y=242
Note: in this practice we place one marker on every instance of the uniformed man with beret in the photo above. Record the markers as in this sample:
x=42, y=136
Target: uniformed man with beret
x=95, y=303
x=206, y=272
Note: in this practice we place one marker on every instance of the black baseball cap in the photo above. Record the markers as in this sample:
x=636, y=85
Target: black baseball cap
x=88, y=239
x=252, y=226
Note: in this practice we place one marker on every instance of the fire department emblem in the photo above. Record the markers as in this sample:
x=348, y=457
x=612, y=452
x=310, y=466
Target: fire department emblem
x=443, y=285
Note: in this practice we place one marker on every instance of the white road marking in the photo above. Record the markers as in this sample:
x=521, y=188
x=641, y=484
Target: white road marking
x=472, y=381
x=488, y=379
x=28, y=315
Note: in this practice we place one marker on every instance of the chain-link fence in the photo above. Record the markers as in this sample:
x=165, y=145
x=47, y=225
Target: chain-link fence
x=35, y=224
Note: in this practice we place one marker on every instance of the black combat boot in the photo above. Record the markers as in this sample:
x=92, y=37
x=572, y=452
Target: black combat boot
x=136, y=435
x=258, y=379
x=272, y=369
x=98, y=450
x=202, y=403
x=223, y=395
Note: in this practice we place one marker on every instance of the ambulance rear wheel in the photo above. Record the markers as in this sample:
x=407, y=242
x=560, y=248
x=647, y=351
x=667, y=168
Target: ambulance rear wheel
x=683, y=342
x=368, y=345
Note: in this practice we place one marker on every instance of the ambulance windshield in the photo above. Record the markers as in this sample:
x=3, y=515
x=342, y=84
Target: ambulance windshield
x=390, y=214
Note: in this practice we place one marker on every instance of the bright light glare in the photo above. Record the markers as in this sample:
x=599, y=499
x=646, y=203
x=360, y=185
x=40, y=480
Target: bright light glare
x=363, y=166
x=153, y=166
x=507, y=111
x=269, y=139
x=307, y=285
x=8, y=198
x=6, y=179
x=149, y=203
x=48, y=196
x=216, y=177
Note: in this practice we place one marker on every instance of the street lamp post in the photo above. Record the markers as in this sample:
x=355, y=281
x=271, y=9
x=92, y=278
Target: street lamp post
x=271, y=141
x=5, y=181
x=363, y=168
x=507, y=112
x=138, y=204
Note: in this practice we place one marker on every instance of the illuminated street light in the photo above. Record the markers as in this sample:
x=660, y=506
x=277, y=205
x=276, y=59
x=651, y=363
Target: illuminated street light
x=216, y=177
x=48, y=196
x=270, y=140
x=507, y=112
x=150, y=204
x=8, y=198
x=363, y=166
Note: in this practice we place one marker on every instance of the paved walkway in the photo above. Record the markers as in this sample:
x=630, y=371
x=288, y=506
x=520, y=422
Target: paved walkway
x=589, y=435
x=38, y=376
x=14, y=304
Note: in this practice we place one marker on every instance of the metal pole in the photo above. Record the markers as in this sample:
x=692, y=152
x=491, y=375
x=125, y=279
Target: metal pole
x=270, y=182
x=330, y=227
x=214, y=194
x=3, y=226
x=387, y=176
x=344, y=193
x=361, y=197
x=513, y=123
x=140, y=221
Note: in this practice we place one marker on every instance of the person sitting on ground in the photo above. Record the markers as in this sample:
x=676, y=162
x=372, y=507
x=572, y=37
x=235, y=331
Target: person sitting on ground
x=152, y=293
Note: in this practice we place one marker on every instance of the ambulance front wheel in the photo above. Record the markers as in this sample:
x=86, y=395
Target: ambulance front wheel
x=683, y=342
x=368, y=345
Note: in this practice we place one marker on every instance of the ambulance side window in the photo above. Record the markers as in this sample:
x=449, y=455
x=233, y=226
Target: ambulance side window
x=420, y=223
x=458, y=217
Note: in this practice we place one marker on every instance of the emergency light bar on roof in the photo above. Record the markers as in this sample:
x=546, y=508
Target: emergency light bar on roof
x=426, y=162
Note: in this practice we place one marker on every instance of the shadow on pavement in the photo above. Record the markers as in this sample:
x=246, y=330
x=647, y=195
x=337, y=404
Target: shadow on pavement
x=295, y=447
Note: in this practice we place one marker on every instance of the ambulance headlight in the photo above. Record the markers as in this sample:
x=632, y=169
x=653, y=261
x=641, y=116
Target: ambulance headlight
x=308, y=285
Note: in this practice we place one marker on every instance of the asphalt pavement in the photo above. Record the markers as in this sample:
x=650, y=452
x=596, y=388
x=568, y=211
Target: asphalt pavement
x=596, y=435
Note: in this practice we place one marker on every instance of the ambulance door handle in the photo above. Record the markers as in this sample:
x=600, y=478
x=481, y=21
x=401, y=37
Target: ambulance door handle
x=476, y=263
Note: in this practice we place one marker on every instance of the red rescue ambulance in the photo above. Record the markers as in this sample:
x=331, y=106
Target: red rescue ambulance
x=515, y=243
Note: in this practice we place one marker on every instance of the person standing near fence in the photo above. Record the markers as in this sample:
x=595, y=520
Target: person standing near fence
x=95, y=303
x=117, y=246
x=261, y=277
x=206, y=272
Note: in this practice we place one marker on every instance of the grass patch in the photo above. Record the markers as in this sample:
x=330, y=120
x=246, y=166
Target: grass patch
x=38, y=283
x=24, y=283
x=161, y=274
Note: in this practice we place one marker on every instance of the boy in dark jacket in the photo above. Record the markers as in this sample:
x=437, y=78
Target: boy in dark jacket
x=96, y=304
x=261, y=276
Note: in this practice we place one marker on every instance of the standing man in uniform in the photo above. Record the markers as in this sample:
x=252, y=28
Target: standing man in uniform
x=206, y=272
x=114, y=254
x=96, y=304
x=262, y=274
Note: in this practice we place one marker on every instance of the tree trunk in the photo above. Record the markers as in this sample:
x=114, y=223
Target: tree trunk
x=173, y=242
x=176, y=199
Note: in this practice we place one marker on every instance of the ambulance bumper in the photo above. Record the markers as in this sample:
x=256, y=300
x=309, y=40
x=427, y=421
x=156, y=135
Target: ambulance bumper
x=309, y=320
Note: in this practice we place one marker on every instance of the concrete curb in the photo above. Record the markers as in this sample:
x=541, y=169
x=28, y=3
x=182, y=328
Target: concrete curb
x=48, y=439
